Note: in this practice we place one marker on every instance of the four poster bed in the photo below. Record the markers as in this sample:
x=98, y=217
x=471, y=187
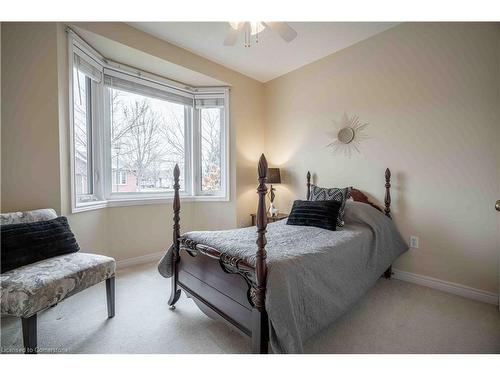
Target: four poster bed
x=294, y=296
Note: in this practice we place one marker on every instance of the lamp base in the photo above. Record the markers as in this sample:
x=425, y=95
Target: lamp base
x=273, y=211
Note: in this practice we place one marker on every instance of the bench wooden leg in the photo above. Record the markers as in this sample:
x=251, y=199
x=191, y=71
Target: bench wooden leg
x=110, y=296
x=29, y=334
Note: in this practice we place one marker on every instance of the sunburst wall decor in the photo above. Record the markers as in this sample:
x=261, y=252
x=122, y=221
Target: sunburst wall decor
x=347, y=134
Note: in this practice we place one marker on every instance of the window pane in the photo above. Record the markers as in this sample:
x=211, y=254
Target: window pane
x=82, y=134
x=120, y=178
x=210, y=149
x=147, y=140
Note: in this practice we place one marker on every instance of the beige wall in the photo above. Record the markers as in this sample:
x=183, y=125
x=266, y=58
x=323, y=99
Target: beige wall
x=430, y=95
x=498, y=165
x=35, y=141
x=30, y=143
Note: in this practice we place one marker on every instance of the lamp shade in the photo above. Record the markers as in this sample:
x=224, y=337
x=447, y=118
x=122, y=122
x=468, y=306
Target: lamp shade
x=273, y=176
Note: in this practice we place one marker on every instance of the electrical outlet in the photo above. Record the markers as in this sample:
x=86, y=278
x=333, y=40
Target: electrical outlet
x=414, y=242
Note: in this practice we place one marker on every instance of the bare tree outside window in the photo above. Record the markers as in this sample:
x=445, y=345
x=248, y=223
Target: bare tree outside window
x=210, y=149
x=147, y=140
x=81, y=129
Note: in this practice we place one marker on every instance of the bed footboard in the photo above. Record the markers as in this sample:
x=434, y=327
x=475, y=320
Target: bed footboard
x=220, y=295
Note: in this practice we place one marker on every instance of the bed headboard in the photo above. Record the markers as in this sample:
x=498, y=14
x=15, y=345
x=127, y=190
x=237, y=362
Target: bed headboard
x=359, y=196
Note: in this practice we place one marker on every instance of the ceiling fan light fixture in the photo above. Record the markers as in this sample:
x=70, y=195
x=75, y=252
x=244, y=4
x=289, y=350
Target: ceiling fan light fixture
x=255, y=27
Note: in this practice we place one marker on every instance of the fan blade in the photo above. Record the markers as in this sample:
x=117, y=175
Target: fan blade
x=283, y=29
x=232, y=37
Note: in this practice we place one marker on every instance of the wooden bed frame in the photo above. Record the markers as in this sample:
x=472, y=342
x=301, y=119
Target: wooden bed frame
x=228, y=288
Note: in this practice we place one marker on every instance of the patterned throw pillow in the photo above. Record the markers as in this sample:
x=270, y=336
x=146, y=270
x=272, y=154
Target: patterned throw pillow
x=331, y=194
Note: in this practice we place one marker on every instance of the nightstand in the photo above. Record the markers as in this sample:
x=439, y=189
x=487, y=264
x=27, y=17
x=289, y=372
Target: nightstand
x=270, y=219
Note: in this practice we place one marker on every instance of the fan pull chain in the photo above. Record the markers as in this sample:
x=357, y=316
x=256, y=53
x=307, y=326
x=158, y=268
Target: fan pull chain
x=247, y=35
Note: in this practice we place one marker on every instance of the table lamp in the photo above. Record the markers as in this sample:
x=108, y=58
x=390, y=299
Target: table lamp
x=273, y=177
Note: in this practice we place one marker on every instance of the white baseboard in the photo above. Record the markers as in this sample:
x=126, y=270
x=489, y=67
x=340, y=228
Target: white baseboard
x=129, y=262
x=446, y=286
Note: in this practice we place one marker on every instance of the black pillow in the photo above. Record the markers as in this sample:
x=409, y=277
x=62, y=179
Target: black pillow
x=321, y=214
x=27, y=243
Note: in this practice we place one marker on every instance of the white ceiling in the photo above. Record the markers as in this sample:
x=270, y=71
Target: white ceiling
x=272, y=57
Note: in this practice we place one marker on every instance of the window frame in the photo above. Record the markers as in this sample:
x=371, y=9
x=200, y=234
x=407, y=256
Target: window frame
x=102, y=174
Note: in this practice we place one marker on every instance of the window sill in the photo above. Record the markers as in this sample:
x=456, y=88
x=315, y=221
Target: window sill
x=124, y=202
x=89, y=206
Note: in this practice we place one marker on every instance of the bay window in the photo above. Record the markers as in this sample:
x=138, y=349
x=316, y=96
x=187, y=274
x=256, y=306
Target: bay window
x=130, y=128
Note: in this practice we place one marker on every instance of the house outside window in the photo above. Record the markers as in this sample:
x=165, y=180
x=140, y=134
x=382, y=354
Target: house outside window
x=130, y=128
x=121, y=177
x=124, y=181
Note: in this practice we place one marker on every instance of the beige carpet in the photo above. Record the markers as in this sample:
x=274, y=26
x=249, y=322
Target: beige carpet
x=394, y=317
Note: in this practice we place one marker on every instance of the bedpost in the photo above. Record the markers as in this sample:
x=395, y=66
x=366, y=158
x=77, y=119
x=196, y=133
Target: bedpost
x=258, y=291
x=175, y=292
x=308, y=176
x=387, y=209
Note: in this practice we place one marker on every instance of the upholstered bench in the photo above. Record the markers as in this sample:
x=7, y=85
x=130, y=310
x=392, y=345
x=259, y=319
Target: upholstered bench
x=30, y=289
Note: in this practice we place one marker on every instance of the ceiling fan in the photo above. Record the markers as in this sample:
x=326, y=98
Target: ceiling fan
x=253, y=29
